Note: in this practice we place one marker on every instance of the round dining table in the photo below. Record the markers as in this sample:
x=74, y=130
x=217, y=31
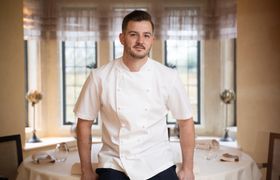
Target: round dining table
x=207, y=165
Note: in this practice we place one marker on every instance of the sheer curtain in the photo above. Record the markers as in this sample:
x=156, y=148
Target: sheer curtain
x=205, y=20
x=32, y=19
x=51, y=19
x=96, y=20
x=78, y=23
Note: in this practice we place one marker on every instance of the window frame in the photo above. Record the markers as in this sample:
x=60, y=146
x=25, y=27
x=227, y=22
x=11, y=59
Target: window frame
x=234, y=83
x=26, y=80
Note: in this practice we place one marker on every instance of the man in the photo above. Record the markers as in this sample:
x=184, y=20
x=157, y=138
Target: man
x=133, y=95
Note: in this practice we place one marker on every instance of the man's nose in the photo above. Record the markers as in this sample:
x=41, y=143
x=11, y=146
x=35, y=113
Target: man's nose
x=140, y=39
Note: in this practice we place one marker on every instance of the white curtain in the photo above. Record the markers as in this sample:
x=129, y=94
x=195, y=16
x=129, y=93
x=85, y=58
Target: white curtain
x=78, y=23
x=207, y=20
x=32, y=19
x=101, y=20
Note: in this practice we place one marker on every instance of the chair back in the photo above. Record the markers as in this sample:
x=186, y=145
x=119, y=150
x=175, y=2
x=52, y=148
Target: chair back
x=10, y=156
x=273, y=165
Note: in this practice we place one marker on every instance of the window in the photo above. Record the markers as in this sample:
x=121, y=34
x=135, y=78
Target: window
x=33, y=78
x=184, y=55
x=117, y=49
x=78, y=58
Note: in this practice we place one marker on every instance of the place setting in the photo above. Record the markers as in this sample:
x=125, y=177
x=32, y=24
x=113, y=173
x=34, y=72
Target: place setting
x=57, y=155
x=210, y=149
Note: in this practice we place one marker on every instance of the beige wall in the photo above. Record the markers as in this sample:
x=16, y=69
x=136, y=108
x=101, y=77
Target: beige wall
x=258, y=74
x=12, y=107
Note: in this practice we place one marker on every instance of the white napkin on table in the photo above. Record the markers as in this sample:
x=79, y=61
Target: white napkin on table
x=72, y=146
x=42, y=158
x=227, y=157
x=207, y=144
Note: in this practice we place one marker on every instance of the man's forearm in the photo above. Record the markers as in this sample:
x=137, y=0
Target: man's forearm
x=84, y=143
x=187, y=141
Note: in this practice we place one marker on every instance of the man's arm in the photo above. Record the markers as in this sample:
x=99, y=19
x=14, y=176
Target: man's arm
x=187, y=141
x=84, y=147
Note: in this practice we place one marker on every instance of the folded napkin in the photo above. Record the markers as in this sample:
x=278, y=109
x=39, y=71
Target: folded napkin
x=42, y=158
x=207, y=144
x=229, y=157
x=76, y=168
x=72, y=146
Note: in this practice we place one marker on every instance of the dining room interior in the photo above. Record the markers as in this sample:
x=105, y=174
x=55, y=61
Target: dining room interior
x=227, y=53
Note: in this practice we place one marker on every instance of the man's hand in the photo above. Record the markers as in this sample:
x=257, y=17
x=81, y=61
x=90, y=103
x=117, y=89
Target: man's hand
x=185, y=174
x=89, y=176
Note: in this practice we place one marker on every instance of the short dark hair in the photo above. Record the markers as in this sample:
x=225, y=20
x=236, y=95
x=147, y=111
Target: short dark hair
x=137, y=15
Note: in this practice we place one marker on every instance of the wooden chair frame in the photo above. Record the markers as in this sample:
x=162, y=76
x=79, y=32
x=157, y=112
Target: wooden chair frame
x=272, y=138
x=16, y=138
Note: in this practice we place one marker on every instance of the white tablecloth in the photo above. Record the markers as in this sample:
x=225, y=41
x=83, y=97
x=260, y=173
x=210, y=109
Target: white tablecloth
x=207, y=164
x=213, y=169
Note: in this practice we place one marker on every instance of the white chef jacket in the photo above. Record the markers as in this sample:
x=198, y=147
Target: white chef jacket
x=133, y=108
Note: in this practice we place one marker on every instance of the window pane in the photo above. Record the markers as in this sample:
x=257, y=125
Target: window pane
x=78, y=58
x=118, y=49
x=183, y=55
x=69, y=55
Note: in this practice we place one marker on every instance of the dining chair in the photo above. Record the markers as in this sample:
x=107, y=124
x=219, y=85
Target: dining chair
x=273, y=165
x=3, y=178
x=10, y=156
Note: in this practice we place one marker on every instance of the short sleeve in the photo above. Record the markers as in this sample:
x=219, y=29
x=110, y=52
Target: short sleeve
x=178, y=102
x=88, y=103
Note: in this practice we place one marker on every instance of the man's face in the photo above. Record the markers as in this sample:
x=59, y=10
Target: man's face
x=137, y=39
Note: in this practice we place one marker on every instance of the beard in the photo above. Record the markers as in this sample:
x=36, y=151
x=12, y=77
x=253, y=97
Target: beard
x=135, y=54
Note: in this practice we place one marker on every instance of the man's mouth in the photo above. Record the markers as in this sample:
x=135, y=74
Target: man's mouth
x=139, y=47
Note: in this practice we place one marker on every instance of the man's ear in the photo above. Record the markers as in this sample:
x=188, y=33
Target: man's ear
x=121, y=38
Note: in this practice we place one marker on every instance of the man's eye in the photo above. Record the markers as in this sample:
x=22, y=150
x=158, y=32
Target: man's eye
x=147, y=36
x=132, y=34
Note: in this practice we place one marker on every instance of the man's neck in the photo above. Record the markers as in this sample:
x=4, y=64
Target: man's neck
x=134, y=65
